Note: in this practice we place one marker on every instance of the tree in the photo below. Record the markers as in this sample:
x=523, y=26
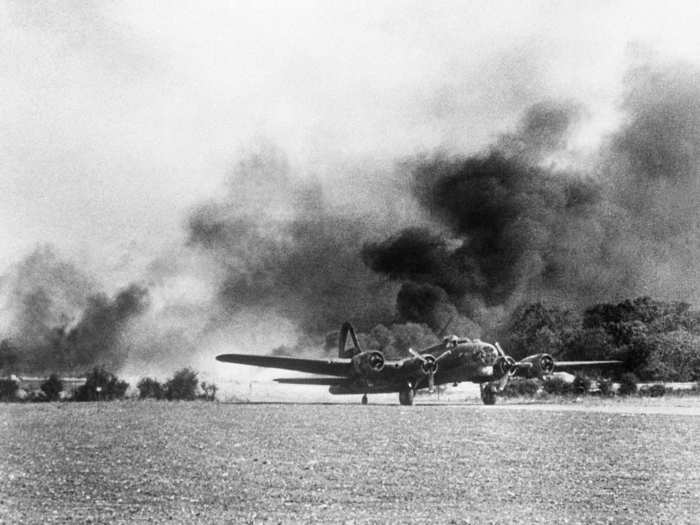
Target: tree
x=628, y=384
x=535, y=328
x=8, y=389
x=520, y=386
x=52, y=388
x=101, y=385
x=183, y=385
x=209, y=391
x=9, y=355
x=663, y=316
x=557, y=386
x=588, y=344
x=671, y=356
x=150, y=388
x=605, y=386
x=581, y=384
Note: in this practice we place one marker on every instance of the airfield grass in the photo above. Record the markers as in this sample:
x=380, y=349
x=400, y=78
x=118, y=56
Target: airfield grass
x=197, y=462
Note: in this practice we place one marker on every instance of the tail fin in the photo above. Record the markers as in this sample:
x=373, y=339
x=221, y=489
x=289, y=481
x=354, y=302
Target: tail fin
x=349, y=352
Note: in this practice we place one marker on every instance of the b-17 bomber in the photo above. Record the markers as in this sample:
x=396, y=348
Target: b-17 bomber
x=454, y=360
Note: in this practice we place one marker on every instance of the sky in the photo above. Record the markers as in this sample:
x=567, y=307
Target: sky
x=118, y=117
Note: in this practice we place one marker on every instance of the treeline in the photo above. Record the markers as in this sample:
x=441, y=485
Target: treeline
x=582, y=385
x=101, y=385
x=656, y=340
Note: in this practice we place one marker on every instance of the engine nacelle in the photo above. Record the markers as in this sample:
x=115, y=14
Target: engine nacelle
x=504, y=365
x=368, y=364
x=429, y=364
x=537, y=365
x=424, y=364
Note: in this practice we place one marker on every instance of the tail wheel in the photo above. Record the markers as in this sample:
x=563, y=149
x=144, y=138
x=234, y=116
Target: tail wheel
x=406, y=396
x=488, y=395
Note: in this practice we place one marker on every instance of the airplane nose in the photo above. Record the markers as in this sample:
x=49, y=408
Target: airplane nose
x=488, y=355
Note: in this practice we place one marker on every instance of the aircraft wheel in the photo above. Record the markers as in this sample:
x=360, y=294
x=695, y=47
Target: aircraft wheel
x=488, y=396
x=406, y=396
x=364, y=399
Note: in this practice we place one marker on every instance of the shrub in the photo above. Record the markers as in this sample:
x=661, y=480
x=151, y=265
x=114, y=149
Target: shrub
x=605, y=386
x=183, y=385
x=8, y=389
x=52, y=388
x=35, y=396
x=209, y=391
x=654, y=390
x=149, y=387
x=628, y=384
x=101, y=385
x=581, y=385
x=557, y=386
x=519, y=386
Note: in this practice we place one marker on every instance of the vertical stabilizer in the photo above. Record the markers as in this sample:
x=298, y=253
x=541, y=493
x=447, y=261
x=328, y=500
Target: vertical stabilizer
x=343, y=352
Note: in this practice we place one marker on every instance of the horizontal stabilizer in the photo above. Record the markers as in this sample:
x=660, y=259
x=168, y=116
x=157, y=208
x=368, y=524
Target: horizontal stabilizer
x=312, y=380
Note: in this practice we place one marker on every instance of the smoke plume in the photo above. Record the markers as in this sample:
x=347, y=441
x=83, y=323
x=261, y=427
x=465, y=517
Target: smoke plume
x=56, y=320
x=513, y=226
x=514, y=223
x=285, y=248
x=444, y=241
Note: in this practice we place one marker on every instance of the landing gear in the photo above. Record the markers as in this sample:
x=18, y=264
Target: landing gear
x=406, y=396
x=488, y=394
x=364, y=399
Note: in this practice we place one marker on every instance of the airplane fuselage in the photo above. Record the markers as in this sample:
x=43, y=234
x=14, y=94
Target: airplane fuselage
x=454, y=360
x=471, y=361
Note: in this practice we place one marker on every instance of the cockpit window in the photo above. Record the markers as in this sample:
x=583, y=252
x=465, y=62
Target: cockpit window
x=451, y=342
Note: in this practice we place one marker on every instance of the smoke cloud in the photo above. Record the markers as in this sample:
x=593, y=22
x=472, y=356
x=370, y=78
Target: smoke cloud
x=513, y=226
x=285, y=248
x=488, y=232
x=442, y=241
x=57, y=320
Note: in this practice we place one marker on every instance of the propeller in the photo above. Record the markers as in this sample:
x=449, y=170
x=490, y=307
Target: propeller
x=507, y=366
x=500, y=350
x=430, y=366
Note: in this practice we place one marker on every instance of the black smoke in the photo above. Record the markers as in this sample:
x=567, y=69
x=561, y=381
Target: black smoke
x=446, y=239
x=58, y=320
x=421, y=256
x=499, y=214
x=508, y=226
x=652, y=166
x=654, y=161
x=96, y=338
x=512, y=224
x=285, y=249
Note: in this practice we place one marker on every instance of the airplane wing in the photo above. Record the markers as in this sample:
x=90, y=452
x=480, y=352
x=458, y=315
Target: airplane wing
x=339, y=367
x=311, y=380
x=583, y=364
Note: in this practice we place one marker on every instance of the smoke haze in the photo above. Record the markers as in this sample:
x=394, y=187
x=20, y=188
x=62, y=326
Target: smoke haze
x=413, y=171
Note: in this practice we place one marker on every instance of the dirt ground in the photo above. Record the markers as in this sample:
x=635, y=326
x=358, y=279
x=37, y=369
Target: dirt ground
x=199, y=462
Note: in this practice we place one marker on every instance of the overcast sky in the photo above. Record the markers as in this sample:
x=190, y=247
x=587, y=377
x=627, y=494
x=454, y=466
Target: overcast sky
x=119, y=117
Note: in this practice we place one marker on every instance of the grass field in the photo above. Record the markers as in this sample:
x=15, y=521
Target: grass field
x=216, y=463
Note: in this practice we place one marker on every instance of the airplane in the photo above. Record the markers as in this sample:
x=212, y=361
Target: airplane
x=357, y=371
